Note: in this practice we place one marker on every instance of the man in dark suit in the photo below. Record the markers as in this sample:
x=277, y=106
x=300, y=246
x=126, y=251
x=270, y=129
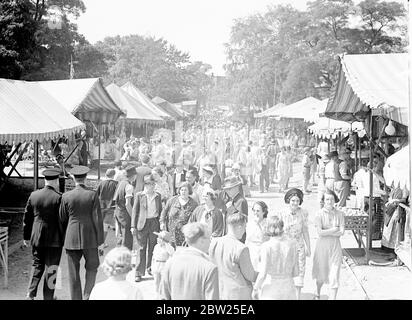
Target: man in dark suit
x=124, y=205
x=145, y=220
x=82, y=223
x=41, y=228
x=142, y=171
x=106, y=190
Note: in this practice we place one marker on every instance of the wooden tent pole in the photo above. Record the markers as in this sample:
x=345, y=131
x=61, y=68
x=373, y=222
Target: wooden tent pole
x=99, y=128
x=36, y=165
x=369, y=231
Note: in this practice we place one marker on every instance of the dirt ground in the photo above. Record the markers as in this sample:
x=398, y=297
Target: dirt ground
x=357, y=282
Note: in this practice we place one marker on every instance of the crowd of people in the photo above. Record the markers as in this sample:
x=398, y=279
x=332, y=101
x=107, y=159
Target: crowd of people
x=184, y=211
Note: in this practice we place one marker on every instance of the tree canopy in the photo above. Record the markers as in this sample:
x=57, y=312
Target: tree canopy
x=284, y=55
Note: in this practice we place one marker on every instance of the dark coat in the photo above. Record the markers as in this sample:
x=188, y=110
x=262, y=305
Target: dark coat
x=81, y=219
x=238, y=204
x=217, y=219
x=41, y=218
x=140, y=209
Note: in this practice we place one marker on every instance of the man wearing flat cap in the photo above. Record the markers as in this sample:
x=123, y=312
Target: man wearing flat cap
x=41, y=228
x=82, y=224
x=124, y=205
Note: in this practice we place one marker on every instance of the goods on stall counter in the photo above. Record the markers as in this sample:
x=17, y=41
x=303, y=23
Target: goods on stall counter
x=350, y=212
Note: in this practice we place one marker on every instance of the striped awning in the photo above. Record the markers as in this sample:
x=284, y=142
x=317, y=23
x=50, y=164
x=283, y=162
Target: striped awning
x=87, y=99
x=135, y=111
x=371, y=82
x=28, y=112
x=168, y=107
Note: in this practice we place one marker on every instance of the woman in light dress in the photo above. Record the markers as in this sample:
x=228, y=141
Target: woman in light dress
x=295, y=221
x=279, y=263
x=255, y=232
x=283, y=168
x=327, y=259
x=116, y=265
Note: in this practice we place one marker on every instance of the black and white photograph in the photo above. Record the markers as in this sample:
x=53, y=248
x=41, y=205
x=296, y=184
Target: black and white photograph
x=220, y=150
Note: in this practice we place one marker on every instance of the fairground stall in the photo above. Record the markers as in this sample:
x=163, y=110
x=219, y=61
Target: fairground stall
x=87, y=100
x=373, y=89
x=30, y=116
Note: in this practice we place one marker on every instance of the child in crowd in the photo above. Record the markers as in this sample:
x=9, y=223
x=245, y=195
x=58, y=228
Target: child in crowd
x=161, y=253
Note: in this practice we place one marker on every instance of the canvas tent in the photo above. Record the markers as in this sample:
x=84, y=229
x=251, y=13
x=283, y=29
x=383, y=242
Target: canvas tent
x=87, y=99
x=168, y=107
x=142, y=98
x=377, y=82
x=371, y=85
x=30, y=113
x=305, y=109
x=135, y=111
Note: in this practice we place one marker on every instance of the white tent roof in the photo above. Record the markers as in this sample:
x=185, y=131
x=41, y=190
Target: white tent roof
x=303, y=109
x=134, y=109
x=141, y=97
x=28, y=112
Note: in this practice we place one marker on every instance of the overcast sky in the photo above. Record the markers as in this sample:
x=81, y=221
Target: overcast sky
x=199, y=27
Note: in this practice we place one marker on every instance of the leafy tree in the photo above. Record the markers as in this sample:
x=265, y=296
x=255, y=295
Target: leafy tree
x=154, y=66
x=16, y=37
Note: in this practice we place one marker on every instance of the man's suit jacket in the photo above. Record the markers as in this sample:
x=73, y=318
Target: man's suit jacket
x=141, y=171
x=81, y=219
x=41, y=218
x=189, y=275
x=218, y=227
x=139, y=212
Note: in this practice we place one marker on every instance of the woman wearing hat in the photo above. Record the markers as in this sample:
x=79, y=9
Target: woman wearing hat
x=295, y=221
x=209, y=213
x=177, y=212
x=116, y=265
x=327, y=259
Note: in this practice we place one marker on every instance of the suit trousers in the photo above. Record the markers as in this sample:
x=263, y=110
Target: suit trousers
x=126, y=239
x=91, y=257
x=45, y=260
x=147, y=241
x=342, y=190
